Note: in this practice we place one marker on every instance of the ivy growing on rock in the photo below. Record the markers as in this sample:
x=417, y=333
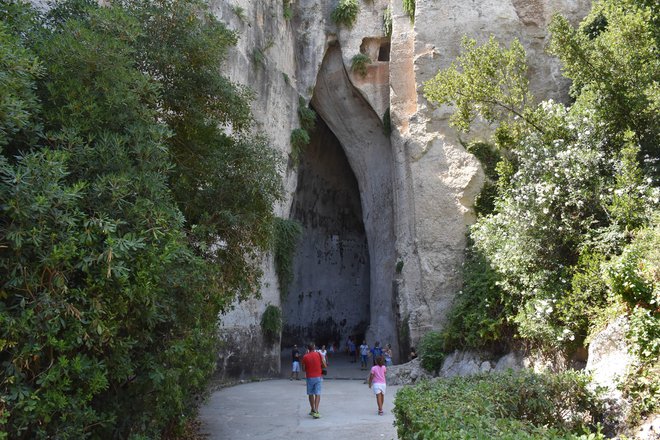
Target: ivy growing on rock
x=286, y=235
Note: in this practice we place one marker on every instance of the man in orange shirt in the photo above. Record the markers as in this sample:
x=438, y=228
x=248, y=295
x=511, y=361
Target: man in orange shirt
x=313, y=364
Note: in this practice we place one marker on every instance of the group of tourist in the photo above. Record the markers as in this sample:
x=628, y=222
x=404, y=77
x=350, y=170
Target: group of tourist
x=315, y=361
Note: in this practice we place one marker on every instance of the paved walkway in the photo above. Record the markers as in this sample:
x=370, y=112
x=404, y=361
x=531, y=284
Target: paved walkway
x=278, y=409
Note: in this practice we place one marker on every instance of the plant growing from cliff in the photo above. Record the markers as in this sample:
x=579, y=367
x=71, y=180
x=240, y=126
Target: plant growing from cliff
x=258, y=57
x=286, y=234
x=300, y=137
x=288, y=9
x=299, y=140
x=346, y=12
x=387, y=21
x=489, y=157
x=259, y=54
x=359, y=64
x=409, y=9
x=306, y=116
x=239, y=12
x=271, y=323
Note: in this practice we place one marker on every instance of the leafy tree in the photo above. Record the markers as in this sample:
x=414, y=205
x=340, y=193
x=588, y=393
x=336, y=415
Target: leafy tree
x=225, y=179
x=613, y=64
x=112, y=281
x=573, y=181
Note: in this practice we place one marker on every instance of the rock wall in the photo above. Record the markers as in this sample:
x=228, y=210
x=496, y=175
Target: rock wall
x=435, y=180
x=328, y=298
x=417, y=184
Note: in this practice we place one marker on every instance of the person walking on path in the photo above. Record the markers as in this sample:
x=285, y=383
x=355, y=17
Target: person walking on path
x=295, y=366
x=378, y=383
x=312, y=364
x=364, y=355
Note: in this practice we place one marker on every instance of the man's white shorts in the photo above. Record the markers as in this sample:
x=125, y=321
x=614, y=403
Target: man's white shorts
x=296, y=367
x=379, y=388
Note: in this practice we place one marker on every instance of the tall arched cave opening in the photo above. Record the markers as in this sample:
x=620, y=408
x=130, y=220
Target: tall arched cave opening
x=329, y=296
x=345, y=262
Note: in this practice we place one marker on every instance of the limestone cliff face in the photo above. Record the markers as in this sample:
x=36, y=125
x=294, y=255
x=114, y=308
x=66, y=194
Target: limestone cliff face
x=415, y=185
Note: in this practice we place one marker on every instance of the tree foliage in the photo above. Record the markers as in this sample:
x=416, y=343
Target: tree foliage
x=130, y=218
x=575, y=183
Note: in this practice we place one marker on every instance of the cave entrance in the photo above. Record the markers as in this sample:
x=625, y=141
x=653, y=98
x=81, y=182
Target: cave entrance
x=329, y=297
x=346, y=260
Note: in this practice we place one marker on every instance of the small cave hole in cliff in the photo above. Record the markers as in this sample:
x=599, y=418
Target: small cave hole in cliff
x=329, y=297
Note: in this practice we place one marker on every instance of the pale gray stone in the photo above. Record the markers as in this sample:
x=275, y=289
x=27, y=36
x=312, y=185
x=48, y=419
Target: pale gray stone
x=407, y=374
x=417, y=185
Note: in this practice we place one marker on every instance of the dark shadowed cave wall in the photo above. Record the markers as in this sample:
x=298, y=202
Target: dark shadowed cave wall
x=330, y=294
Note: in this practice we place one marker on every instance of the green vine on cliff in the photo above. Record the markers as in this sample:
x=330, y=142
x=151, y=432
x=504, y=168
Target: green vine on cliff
x=346, y=12
x=387, y=21
x=409, y=9
x=300, y=137
x=286, y=234
x=359, y=64
x=271, y=323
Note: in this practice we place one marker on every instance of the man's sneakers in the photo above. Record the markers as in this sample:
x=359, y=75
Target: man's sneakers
x=315, y=414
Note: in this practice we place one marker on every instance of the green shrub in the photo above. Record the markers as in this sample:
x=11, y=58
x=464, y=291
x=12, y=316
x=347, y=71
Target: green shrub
x=431, y=351
x=306, y=115
x=109, y=295
x=512, y=405
x=286, y=234
x=288, y=9
x=299, y=140
x=409, y=9
x=478, y=317
x=239, y=12
x=387, y=22
x=346, y=12
x=642, y=386
x=359, y=64
x=258, y=57
x=271, y=323
x=634, y=276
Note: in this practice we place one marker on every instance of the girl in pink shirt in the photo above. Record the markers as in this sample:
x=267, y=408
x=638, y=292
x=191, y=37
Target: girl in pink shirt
x=377, y=380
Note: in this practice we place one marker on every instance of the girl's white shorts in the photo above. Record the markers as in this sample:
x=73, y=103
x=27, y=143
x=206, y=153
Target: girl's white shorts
x=379, y=388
